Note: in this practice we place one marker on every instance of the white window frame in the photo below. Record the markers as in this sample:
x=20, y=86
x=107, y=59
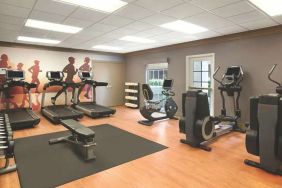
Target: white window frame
x=189, y=73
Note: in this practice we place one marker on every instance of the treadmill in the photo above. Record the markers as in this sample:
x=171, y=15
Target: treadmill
x=91, y=109
x=20, y=118
x=56, y=113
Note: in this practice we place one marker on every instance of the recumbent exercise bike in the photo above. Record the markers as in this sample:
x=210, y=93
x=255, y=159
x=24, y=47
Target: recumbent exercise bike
x=264, y=138
x=151, y=106
x=197, y=124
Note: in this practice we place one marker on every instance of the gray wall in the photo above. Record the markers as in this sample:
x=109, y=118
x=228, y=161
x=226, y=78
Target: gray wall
x=255, y=54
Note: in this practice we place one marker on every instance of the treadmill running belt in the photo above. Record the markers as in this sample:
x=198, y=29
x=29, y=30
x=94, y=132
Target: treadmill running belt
x=22, y=118
x=95, y=107
x=61, y=110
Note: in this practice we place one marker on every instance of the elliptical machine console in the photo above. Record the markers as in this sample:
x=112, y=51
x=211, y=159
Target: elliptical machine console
x=197, y=124
x=264, y=138
x=151, y=106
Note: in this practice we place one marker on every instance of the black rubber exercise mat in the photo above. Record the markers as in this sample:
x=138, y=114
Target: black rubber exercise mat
x=41, y=165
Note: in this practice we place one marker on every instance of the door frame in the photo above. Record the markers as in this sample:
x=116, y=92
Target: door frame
x=188, y=68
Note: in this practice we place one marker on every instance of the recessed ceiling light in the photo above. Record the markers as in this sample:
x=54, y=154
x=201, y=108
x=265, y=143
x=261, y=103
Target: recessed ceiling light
x=51, y=26
x=105, y=47
x=270, y=7
x=38, y=40
x=184, y=27
x=137, y=39
x=100, y=5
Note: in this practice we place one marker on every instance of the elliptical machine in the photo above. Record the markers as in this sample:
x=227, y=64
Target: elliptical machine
x=264, y=138
x=151, y=106
x=197, y=124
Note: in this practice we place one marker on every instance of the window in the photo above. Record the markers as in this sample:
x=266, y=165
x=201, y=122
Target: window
x=198, y=73
x=155, y=75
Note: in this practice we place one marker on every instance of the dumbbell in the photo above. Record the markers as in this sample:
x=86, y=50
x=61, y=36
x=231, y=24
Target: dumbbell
x=8, y=148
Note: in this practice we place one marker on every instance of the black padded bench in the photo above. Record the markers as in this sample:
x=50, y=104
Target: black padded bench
x=82, y=138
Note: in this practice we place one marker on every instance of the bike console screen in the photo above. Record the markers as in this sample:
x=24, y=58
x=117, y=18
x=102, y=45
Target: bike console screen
x=167, y=84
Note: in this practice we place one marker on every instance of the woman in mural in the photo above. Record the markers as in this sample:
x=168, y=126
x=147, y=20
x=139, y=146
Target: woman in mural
x=25, y=97
x=35, y=70
x=4, y=64
x=86, y=67
x=71, y=71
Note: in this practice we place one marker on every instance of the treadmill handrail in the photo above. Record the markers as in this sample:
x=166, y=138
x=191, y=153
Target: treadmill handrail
x=19, y=83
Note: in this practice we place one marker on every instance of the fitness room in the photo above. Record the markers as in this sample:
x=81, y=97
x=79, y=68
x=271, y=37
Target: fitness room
x=140, y=93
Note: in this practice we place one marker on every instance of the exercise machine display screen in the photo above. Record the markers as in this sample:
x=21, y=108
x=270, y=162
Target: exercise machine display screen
x=167, y=84
x=13, y=74
x=55, y=75
x=86, y=75
x=233, y=71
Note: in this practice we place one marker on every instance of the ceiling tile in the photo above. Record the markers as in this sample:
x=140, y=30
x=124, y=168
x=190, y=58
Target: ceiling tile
x=234, y=9
x=20, y=3
x=212, y=4
x=11, y=27
x=88, y=15
x=157, y=5
x=77, y=22
x=88, y=34
x=230, y=29
x=158, y=19
x=267, y=22
x=208, y=20
x=58, y=36
x=116, y=21
x=14, y=11
x=134, y=12
x=207, y=34
x=12, y=20
x=44, y=16
x=118, y=33
x=183, y=10
x=54, y=7
x=247, y=17
x=31, y=32
x=102, y=27
x=138, y=26
x=152, y=32
x=8, y=35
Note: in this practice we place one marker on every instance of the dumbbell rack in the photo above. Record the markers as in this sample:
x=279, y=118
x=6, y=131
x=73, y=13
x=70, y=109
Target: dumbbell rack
x=132, y=94
x=6, y=144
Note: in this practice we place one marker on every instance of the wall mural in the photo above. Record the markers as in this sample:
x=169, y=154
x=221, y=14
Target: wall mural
x=35, y=74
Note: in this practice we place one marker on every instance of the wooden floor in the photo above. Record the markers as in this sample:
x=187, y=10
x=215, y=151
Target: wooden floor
x=178, y=166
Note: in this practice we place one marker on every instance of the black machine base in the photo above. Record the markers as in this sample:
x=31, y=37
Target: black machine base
x=150, y=123
x=201, y=146
x=258, y=165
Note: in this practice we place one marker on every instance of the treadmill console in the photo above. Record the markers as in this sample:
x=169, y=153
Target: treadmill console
x=15, y=75
x=55, y=75
x=84, y=75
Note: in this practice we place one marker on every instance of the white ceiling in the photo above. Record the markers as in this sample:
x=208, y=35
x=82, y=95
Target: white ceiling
x=139, y=18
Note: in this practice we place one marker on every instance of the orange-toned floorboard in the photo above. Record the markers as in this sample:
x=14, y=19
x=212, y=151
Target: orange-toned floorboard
x=179, y=166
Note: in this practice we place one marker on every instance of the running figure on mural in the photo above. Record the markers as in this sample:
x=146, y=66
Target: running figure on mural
x=71, y=71
x=4, y=64
x=86, y=67
x=25, y=97
x=35, y=70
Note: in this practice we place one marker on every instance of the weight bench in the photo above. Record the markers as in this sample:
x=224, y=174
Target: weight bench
x=82, y=139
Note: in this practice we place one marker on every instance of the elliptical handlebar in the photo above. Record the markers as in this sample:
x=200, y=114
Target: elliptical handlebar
x=215, y=72
x=270, y=73
x=242, y=75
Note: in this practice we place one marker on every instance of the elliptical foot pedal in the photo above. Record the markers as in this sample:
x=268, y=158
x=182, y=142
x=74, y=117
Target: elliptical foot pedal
x=145, y=122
